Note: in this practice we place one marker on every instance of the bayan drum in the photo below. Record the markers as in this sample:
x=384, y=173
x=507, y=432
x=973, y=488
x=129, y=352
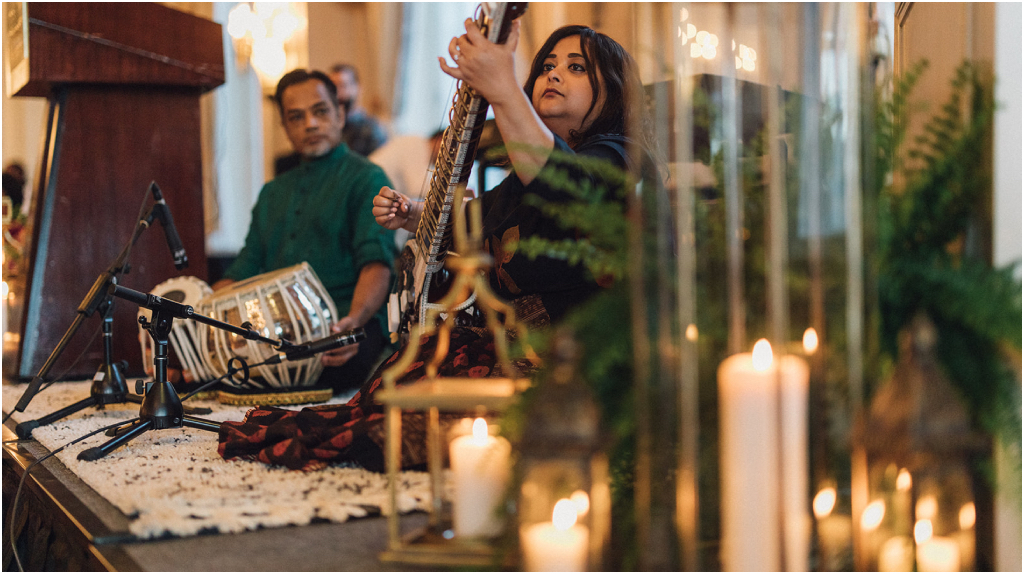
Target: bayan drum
x=289, y=304
x=184, y=336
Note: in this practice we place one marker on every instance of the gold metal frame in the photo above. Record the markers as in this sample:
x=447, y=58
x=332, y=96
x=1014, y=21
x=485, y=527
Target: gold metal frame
x=434, y=394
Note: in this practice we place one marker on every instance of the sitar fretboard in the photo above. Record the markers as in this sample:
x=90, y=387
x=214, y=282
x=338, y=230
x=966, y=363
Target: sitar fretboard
x=458, y=148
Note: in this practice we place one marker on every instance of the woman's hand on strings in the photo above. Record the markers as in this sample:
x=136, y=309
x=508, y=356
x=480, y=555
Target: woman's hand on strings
x=392, y=210
x=486, y=67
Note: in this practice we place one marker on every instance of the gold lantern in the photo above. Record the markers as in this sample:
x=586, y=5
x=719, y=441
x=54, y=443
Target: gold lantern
x=482, y=456
x=564, y=500
x=913, y=496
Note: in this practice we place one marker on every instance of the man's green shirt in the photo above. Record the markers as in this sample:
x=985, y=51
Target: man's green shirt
x=320, y=212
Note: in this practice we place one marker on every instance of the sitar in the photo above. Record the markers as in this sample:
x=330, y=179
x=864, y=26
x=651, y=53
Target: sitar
x=421, y=265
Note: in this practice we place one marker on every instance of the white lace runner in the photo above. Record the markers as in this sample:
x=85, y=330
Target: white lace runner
x=173, y=481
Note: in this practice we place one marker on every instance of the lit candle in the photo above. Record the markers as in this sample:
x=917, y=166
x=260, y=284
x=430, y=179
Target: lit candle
x=834, y=530
x=750, y=386
x=902, y=505
x=966, y=537
x=934, y=553
x=938, y=554
x=559, y=545
x=480, y=473
x=896, y=555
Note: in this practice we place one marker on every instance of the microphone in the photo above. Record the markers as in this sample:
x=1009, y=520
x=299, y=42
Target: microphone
x=153, y=302
x=319, y=346
x=163, y=213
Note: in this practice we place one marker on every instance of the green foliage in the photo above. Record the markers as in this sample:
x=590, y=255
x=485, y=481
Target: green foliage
x=924, y=265
x=595, y=213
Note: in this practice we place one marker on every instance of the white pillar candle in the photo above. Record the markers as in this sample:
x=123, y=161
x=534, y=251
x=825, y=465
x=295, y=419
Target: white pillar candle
x=480, y=473
x=750, y=386
x=938, y=554
x=835, y=531
x=966, y=540
x=556, y=546
x=835, y=534
x=896, y=555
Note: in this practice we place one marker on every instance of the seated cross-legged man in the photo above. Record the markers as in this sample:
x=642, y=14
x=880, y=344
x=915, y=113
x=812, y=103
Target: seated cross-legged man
x=320, y=213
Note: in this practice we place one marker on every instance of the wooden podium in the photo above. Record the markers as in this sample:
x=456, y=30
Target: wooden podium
x=123, y=81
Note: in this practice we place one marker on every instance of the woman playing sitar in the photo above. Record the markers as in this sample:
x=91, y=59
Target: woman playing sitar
x=581, y=98
x=578, y=99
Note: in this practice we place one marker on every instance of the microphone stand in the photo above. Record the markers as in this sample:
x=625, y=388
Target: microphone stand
x=108, y=384
x=161, y=408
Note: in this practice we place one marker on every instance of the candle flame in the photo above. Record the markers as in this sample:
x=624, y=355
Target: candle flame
x=479, y=429
x=582, y=502
x=967, y=516
x=927, y=507
x=824, y=502
x=563, y=517
x=810, y=341
x=691, y=332
x=872, y=516
x=762, y=355
x=923, y=531
x=903, y=480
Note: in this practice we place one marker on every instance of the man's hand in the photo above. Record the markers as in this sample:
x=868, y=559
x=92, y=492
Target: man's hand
x=371, y=290
x=341, y=355
x=222, y=284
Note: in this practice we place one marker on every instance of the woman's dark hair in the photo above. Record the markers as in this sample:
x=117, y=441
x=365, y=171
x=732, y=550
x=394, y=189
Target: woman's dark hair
x=623, y=109
x=300, y=75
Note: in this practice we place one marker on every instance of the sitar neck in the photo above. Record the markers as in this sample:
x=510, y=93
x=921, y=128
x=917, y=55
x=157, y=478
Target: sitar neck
x=458, y=145
x=453, y=166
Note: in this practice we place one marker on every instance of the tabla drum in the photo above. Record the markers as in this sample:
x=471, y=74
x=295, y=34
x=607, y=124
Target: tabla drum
x=289, y=304
x=184, y=335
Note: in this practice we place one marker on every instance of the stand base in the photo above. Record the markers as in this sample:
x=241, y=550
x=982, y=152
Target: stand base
x=126, y=434
x=24, y=430
x=427, y=548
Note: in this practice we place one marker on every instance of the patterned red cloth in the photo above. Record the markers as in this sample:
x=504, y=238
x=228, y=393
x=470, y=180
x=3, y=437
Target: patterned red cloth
x=314, y=436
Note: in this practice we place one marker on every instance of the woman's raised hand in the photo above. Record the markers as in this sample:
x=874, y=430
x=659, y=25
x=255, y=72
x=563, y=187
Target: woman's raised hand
x=486, y=67
x=393, y=210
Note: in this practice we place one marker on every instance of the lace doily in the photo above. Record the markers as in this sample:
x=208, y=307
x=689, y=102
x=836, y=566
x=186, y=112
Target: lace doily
x=172, y=481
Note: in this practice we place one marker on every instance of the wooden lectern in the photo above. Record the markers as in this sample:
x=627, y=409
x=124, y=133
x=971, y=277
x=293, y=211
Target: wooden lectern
x=123, y=82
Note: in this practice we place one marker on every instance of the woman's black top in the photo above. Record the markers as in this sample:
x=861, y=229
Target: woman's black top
x=508, y=218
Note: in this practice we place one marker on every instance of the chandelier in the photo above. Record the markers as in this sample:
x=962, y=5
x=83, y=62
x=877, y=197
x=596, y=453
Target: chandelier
x=260, y=32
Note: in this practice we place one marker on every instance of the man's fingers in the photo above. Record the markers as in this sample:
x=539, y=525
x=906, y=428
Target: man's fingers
x=339, y=357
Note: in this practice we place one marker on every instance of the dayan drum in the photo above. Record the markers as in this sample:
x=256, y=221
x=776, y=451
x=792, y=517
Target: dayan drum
x=290, y=304
x=184, y=336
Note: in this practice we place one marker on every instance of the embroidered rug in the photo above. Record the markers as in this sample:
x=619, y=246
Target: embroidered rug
x=173, y=482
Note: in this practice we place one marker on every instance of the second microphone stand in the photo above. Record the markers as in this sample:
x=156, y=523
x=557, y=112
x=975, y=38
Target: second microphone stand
x=108, y=386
